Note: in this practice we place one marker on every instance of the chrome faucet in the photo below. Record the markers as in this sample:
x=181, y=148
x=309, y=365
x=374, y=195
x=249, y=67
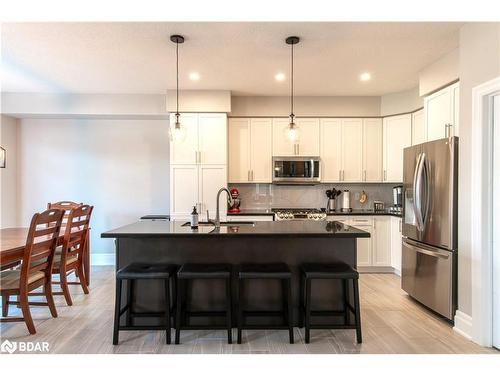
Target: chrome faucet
x=216, y=222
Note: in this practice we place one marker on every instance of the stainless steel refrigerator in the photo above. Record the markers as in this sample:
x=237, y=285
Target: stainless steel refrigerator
x=429, y=258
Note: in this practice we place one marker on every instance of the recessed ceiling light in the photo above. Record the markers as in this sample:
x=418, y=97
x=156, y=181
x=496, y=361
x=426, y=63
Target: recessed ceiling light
x=365, y=76
x=279, y=77
x=194, y=76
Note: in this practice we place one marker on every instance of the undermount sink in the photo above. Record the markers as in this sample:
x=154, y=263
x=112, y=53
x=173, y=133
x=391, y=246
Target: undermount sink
x=222, y=223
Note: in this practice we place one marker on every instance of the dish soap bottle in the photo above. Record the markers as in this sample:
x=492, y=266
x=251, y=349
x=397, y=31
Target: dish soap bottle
x=194, y=218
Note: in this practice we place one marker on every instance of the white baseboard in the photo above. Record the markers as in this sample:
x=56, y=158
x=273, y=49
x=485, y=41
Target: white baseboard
x=463, y=324
x=106, y=259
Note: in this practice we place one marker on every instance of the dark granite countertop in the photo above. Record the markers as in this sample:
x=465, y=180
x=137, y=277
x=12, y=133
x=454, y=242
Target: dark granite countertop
x=267, y=228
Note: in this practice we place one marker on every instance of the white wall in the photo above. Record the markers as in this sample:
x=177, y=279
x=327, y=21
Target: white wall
x=479, y=62
x=118, y=166
x=8, y=175
x=440, y=73
x=359, y=106
x=401, y=102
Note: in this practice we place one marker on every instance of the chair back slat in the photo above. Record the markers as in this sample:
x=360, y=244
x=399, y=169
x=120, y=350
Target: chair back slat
x=41, y=243
x=76, y=232
x=66, y=206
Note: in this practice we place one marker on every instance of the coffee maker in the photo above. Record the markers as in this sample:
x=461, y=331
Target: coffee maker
x=397, y=199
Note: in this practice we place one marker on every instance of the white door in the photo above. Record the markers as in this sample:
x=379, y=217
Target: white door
x=239, y=145
x=309, y=136
x=396, y=244
x=397, y=136
x=261, y=146
x=352, y=150
x=456, y=109
x=496, y=223
x=186, y=151
x=438, y=113
x=364, y=245
x=183, y=190
x=418, y=129
x=382, y=248
x=211, y=179
x=372, y=150
x=281, y=145
x=330, y=149
x=212, y=130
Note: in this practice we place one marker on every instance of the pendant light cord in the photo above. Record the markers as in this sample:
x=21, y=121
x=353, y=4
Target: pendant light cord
x=177, y=79
x=291, y=90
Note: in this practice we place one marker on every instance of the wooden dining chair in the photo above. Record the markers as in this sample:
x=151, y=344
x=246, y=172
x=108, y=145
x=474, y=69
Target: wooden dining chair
x=67, y=206
x=73, y=251
x=36, y=268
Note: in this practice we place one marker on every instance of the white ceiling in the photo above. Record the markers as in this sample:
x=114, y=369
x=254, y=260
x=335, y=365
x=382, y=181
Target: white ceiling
x=241, y=57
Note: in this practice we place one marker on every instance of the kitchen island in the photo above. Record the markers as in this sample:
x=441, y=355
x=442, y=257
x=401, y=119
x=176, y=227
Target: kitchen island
x=293, y=243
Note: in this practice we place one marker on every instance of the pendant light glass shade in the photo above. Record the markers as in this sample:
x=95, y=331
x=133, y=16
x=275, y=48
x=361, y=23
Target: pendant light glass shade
x=292, y=131
x=3, y=157
x=176, y=130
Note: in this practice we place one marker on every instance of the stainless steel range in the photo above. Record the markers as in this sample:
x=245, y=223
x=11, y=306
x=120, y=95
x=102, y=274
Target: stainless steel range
x=282, y=214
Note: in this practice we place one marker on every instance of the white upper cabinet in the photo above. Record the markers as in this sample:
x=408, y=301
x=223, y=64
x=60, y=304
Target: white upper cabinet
x=250, y=150
x=261, y=150
x=372, y=150
x=239, y=150
x=418, y=129
x=185, y=152
x=441, y=112
x=352, y=150
x=331, y=149
x=212, y=138
x=205, y=141
x=397, y=136
x=281, y=145
x=308, y=144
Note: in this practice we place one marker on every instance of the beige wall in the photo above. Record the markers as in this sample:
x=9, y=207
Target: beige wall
x=8, y=175
x=479, y=62
x=199, y=101
x=440, y=73
x=401, y=102
x=306, y=106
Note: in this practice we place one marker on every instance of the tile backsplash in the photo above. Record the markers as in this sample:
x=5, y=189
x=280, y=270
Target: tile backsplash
x=263, y=196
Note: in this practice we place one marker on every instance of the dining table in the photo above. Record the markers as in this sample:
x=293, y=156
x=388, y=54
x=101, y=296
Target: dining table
x=13, y=243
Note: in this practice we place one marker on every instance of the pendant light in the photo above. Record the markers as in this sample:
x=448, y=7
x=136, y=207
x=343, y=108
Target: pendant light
x=292, y=131
x=177, y=131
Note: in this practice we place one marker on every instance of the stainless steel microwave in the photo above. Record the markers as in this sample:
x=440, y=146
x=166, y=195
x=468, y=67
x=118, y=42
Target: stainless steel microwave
x=292, y=170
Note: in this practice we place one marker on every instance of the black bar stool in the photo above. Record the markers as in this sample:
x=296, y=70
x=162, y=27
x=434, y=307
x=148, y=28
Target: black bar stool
x=143, y=271
x=278, y=271
x=339, y=271
x=202, y=271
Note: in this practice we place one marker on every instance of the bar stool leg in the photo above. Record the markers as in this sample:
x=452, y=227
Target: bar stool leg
x=301, y=300
x=308, y=310
x=289, y=315
x=130, y=287
x=347, y=314
x=178, y=312
x=173, y=307
x=167, y=310
x=118, y=297
x=357, y=311
x=229, y=306
x=240, y=309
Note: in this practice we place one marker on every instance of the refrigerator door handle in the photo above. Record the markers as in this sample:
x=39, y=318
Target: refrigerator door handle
x=417, y=204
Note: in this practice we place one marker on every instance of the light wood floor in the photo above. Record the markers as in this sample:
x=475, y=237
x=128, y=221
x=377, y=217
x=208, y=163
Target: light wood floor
x=391, y=321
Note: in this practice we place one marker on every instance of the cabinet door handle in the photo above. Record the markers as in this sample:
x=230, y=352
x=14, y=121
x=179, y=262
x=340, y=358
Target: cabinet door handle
x=298, y=149
x=385, y=175
x=343, y=175
x=340, y=175
x=252, y=174
x=364, y=175
x=248, y=175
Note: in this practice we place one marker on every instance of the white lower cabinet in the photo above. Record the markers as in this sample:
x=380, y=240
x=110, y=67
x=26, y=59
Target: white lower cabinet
x=396, y=244
x=374, y=252
x=198, y=185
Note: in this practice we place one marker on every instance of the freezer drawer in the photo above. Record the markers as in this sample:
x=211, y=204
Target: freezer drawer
x=429, y=275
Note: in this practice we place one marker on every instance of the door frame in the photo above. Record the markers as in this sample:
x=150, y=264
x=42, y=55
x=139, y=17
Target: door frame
x=481, y=203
